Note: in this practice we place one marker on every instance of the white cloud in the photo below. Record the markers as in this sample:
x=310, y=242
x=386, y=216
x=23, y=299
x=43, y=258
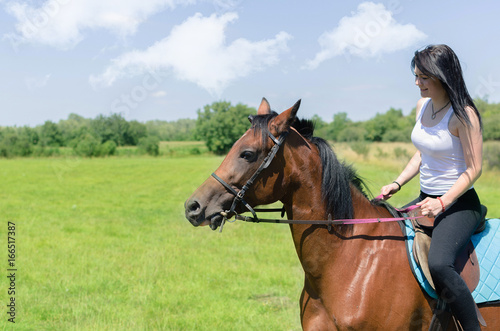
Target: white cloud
x=196, y=51
x=159, y=94
x=369, y=32
x=62, y=23
x=37, y=82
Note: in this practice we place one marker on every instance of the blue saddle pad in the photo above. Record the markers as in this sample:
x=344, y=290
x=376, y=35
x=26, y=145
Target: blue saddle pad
x=487, y=246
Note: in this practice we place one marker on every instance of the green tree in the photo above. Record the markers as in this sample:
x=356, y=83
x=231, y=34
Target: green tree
x=15, y=143
x=320, y=127
x=50, y=135
x=88, y=146
x=221, y=124
x=184, y=129
x=31, y=134
x=353, y=132
x=113, y=127
x=377, y=127
x=134, y=132
x=73, y=128
x=339, y=124
x=491, y=127
x=490, y=113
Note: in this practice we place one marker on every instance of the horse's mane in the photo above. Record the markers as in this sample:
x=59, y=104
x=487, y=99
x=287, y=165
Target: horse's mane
x=337, y=176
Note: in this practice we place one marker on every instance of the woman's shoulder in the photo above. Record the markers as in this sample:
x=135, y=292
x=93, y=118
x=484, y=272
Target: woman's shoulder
x=471, y=113
x=420, y=105
x=455, y=124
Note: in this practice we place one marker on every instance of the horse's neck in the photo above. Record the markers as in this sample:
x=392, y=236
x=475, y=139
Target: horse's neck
x=303, y=201
x=302, y=181
x=318, y=249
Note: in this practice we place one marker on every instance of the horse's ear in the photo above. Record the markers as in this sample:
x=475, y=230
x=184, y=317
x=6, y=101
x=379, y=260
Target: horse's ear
x=264, y=108
x=284, y=120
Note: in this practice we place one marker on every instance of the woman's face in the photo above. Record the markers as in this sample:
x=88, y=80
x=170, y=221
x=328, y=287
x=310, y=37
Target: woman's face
x=430, y=87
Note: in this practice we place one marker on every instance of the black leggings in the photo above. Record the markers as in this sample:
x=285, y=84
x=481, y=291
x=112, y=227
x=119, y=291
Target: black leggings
x=452, y=231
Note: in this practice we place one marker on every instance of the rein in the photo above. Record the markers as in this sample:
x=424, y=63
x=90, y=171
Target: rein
x=238, y=197
x=330, y=221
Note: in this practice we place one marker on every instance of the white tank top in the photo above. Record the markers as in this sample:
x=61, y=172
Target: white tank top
x=442, y=154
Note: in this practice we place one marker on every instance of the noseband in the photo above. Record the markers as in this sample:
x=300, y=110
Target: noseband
x=238, y=196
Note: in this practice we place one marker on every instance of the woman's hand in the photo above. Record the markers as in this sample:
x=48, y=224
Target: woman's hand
x=389, y=190
x=430, y=207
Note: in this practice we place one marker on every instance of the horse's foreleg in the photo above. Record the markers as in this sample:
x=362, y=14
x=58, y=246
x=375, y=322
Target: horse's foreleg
x=313, y=314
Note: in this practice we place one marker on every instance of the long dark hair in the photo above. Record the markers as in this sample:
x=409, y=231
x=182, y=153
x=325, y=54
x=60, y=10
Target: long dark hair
x=441, y=62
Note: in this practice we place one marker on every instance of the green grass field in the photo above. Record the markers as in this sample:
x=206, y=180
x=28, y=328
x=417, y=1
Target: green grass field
x=102, y=244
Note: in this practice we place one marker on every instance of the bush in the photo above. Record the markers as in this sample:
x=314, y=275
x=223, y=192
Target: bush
x=491, y=127
x=46, y=151
x=395, y=135
x=195, y=151
x=492, y=156
x=361, y=148
x=381, y=153
x=149, y=145
x=90, y=146
x=106, y=149
x=401, y=153
x=12, y=144
x=87, y=146
x=352, y=133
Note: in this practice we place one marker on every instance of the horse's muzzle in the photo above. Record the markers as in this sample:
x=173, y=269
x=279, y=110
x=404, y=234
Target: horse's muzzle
x=195, y=214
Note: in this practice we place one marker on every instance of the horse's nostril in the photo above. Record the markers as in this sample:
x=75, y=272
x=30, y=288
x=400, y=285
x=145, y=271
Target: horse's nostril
x=194, y=212
x=193, y=207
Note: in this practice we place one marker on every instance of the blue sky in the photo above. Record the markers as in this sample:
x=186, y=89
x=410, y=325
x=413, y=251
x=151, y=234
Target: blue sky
x=165, y=59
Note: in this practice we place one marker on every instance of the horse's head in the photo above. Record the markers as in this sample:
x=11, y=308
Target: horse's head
x=244, y=170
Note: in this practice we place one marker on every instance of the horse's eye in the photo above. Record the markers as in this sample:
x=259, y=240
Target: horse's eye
x=248, y=155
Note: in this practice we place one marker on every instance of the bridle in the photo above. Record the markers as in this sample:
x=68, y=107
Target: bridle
x=238, y=196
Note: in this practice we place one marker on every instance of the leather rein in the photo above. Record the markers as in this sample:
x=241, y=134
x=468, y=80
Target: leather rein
x=239, y=197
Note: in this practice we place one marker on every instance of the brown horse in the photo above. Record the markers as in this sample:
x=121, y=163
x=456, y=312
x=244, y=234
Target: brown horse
x=357, y=277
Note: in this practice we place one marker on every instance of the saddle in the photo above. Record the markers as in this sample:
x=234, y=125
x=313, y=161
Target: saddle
x=466, y=264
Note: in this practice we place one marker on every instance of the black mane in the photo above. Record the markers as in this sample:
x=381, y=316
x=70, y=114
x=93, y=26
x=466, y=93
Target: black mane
x=337, y=176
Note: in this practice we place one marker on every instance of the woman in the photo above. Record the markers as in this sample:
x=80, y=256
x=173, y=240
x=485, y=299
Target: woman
x=448, y=136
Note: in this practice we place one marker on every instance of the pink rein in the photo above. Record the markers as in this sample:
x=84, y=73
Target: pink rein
x=389, y=219
x=331, y=222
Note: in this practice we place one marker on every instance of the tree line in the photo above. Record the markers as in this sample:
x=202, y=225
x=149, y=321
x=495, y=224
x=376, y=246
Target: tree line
x=86, y=137
x=219, y=124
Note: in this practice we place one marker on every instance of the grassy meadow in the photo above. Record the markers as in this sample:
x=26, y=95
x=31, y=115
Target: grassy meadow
x=102, y=244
